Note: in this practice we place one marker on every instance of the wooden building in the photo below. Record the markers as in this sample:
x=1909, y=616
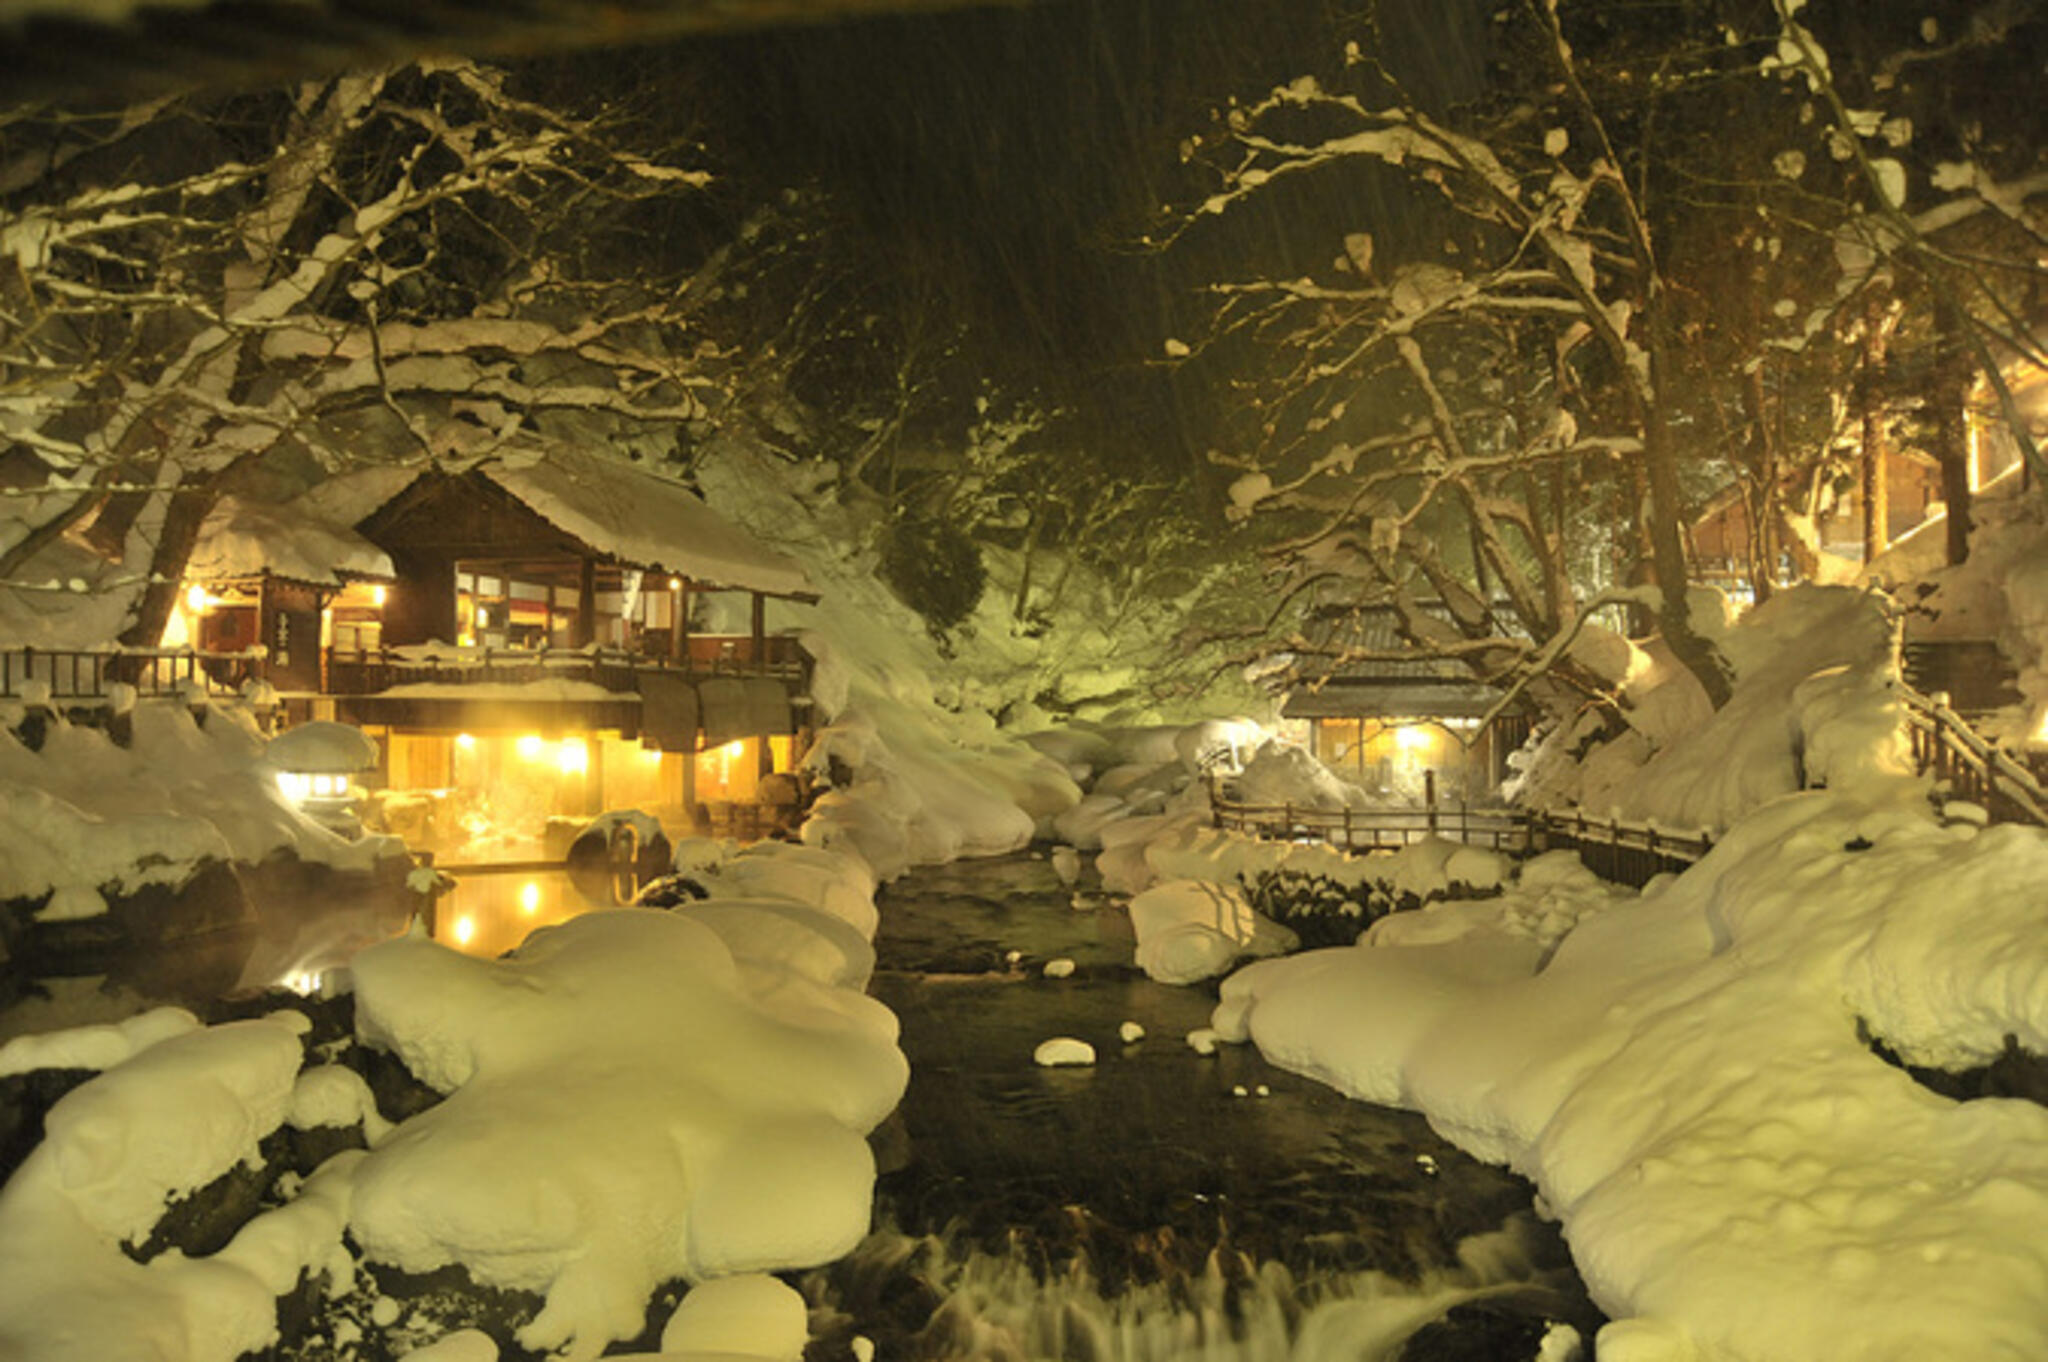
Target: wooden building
x=1400, y=729
x=527, y=640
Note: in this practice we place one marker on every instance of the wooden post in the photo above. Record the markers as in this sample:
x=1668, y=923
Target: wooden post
x=584, y=632
x=1429, y=798
x=679, y=619
x=760, y=630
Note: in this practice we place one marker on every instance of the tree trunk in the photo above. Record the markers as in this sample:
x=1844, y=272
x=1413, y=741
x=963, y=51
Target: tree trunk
x=1953, y=375
x=1762, y=500
x=190, y=502
x=1022, y=605
x=1667, y=546
x=1876, y=491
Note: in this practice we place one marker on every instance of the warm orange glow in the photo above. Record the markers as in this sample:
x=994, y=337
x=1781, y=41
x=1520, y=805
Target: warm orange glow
x=528, y=747
x=573, y=756
x=198, y=599
x=675, y=584
x=466, y=741
x=1411, y=737
x=378, y=595
x=735, y=749
x=465, y=930
x=651, y=755
x=529, y=898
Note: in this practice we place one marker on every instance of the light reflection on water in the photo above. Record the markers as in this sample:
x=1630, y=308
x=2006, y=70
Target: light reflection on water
x=489, y=914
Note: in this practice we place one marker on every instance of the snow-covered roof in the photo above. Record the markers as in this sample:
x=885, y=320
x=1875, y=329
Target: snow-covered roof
x=609, y=504
x=645, y=520
x=294, y=539
x=1408, y=686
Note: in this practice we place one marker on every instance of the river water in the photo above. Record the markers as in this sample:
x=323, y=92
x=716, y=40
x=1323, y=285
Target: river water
x=1158, y=1204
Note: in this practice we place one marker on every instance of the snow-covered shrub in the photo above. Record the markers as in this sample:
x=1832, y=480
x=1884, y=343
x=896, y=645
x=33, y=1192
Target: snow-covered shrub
x=1319, y=910
x=936, y=569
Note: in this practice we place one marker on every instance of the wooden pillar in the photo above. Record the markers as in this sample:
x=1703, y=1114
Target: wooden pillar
x=584, y=632
x=760, y=629
x=679, y=618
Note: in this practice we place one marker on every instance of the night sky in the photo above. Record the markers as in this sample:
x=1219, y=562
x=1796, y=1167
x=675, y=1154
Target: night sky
x=1011, y=158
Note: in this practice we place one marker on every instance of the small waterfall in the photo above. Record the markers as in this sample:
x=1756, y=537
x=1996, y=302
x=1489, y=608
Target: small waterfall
x=989, y=1307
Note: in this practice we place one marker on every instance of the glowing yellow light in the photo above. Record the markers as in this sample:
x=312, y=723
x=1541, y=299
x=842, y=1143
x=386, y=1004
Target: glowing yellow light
x=465, y=930
x=1411, y=737
x=528, y=747
x=573, y=756
x=675, y=584
x=736, y=748
x=466, y=741
x=529, y=897
x=378, y=595
x=483, y=617
x=197, y=599
x=295, y=785
x=651, y=755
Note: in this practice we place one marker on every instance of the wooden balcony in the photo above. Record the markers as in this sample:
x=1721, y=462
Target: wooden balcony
x=77, y=676
x=360, y=672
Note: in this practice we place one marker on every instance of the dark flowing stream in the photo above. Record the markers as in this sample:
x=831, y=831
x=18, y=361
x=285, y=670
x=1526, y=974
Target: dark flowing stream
x=1160, y=1203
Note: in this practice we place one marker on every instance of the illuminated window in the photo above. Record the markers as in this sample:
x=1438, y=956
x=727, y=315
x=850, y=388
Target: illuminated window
x=528, y=747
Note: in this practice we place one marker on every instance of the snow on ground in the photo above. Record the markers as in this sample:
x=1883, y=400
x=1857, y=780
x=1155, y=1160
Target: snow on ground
x=177, y=1114
x=1685, y=1075
x=84, y=813
x=1686, y=1082
x=627, y=1103
x=1813, y=705
x=919, y=773
x=1999, y=593
x=632, y=1096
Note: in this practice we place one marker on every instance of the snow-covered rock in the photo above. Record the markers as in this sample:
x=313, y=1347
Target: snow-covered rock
x=1687, y=1080
x=660, y=1108
x=1196, y=929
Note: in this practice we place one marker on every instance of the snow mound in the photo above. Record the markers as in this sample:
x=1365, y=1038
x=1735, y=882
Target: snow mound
x=1688, y=1083
x=1813, y=704
x=1284, y=773
x=163, y=1123
x=85, y=813
x=99, y=1046
x=633, y=1096
x=1189, y=930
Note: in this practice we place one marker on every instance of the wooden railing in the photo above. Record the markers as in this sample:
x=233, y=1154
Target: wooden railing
x=1381, y=829
x=2005, y=783
x=368, y=672
x=86, y=674
x=1625, y=852
x=1630, y=853
x=74, y=674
